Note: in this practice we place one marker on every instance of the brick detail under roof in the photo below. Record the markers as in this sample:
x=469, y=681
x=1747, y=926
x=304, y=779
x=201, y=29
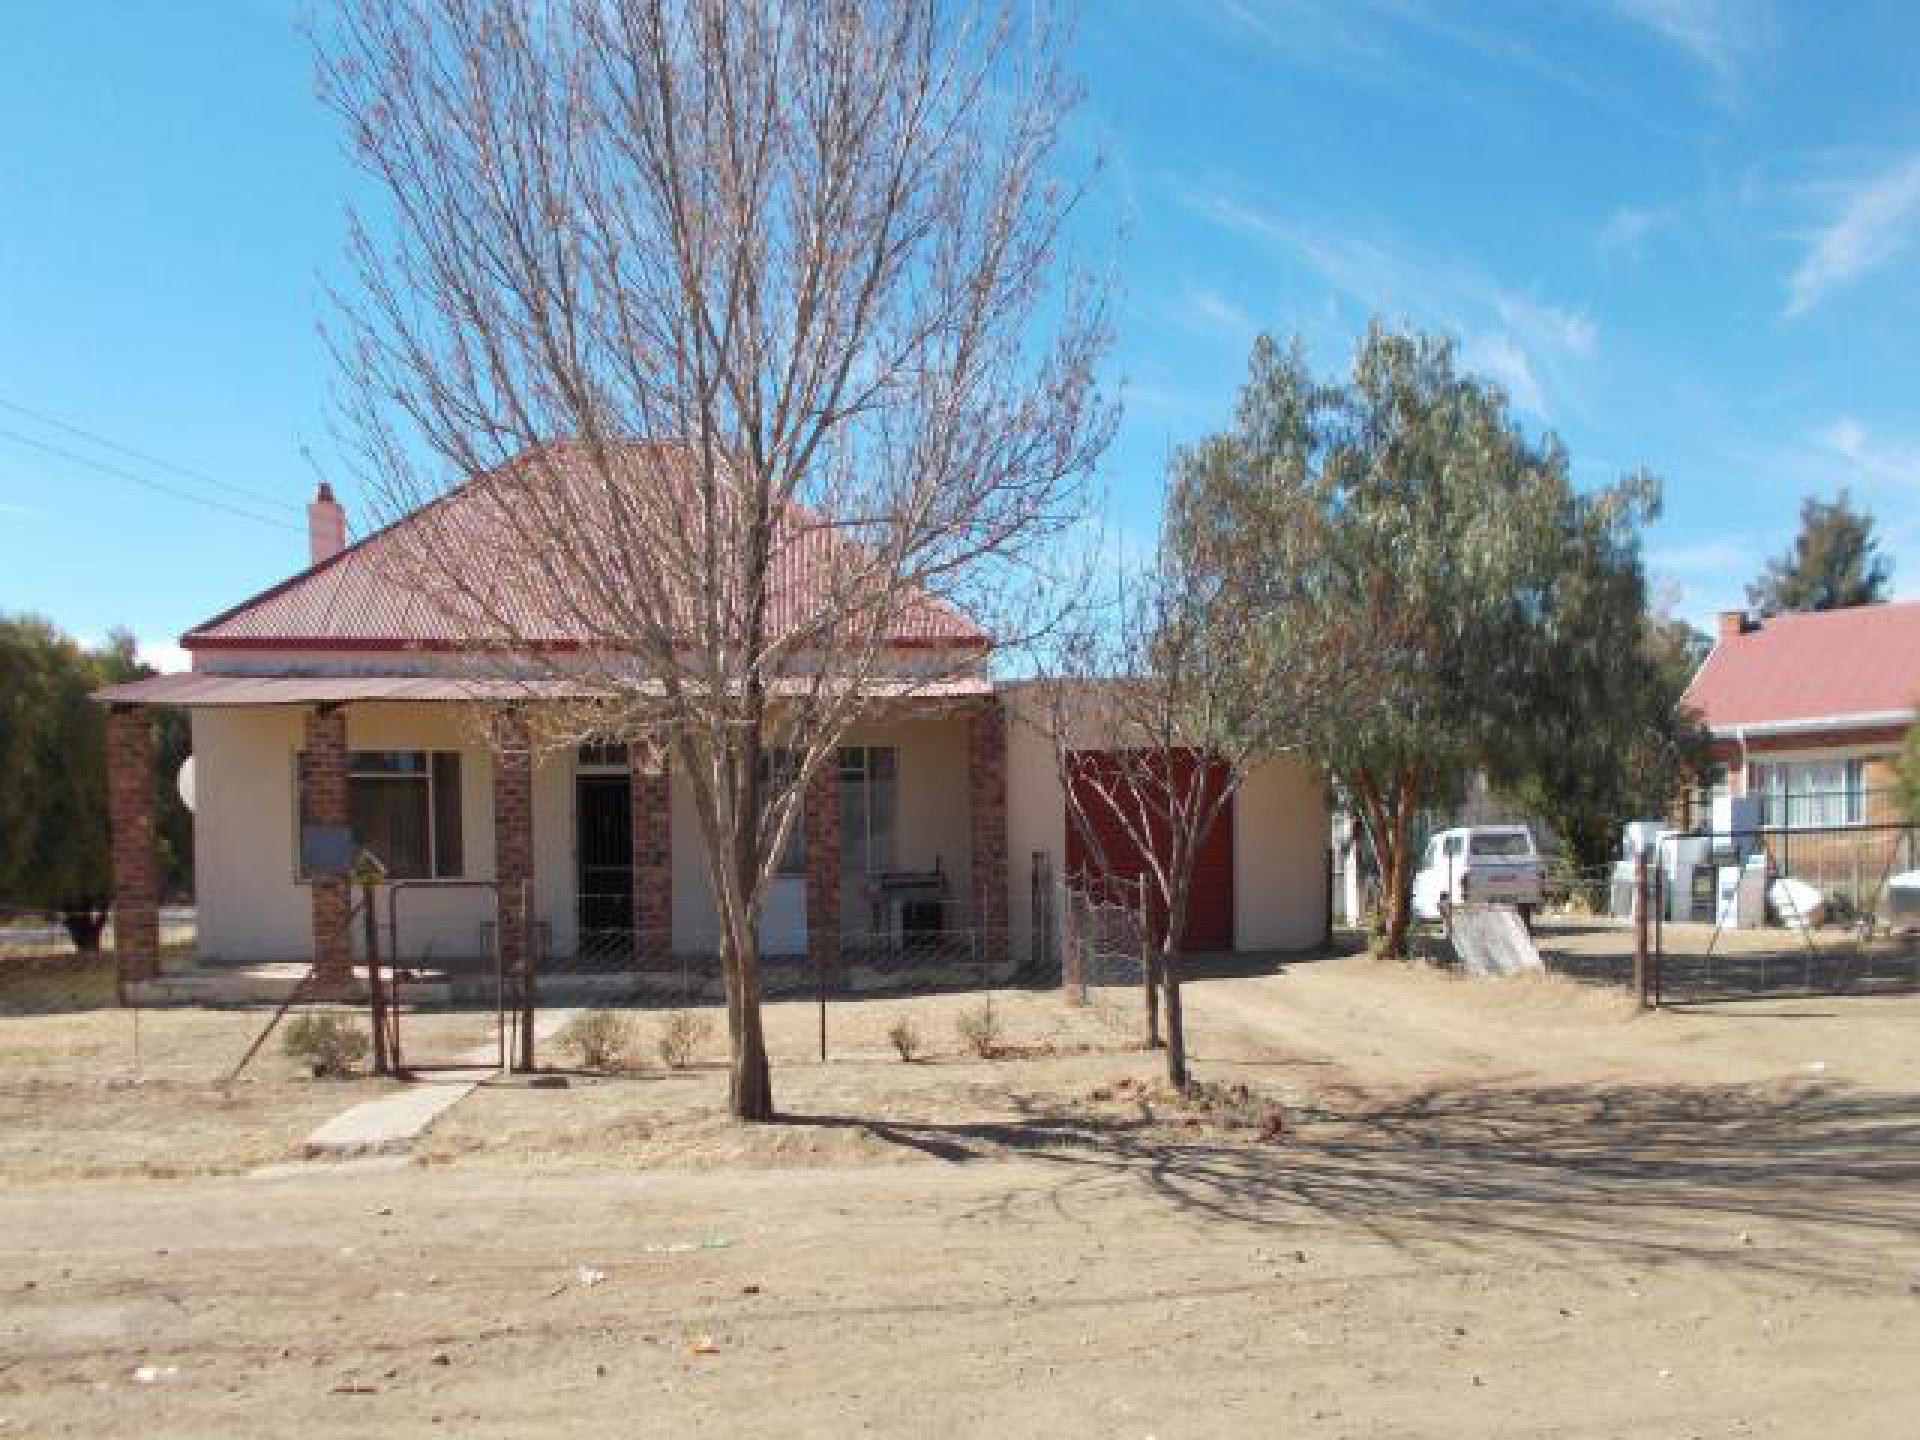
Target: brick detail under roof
x=820, y=817
x=323, y=801
x=987, y=782
x=513, y=839
x=652, y=854
x=136, y=861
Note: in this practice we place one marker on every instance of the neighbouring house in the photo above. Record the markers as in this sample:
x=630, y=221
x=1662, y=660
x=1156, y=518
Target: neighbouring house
x=1807, y=713
x=337, y=699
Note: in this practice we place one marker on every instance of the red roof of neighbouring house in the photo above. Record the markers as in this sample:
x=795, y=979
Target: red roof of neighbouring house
x=1859, y=665
x=374, y=596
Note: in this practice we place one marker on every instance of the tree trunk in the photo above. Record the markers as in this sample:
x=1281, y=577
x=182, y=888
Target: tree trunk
x=84, y=925
x=749, y=1077
x=1176, y=1023
x=1151, y=954
x=1399, y=888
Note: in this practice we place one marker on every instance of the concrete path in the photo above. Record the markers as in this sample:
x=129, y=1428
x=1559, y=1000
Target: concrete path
x=392, y=1123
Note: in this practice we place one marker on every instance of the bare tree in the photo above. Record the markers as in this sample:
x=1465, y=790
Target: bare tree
x=1225, y=651
x=743, y=330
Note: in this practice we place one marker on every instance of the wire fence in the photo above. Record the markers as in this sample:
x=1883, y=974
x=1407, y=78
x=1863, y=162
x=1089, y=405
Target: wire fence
x=431, y=995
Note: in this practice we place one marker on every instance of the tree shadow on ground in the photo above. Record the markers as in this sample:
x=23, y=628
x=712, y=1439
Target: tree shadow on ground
x=1651, y=1172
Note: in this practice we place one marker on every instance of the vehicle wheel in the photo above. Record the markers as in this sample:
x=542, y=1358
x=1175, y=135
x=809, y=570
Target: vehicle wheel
x=1526, y=917
x=1444, y=907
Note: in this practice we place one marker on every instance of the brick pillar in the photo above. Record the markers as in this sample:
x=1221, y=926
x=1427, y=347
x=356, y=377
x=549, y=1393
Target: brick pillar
x=136, y=862
x=987, y=782
x=820, y=819
x=652, y=855
x=513, y=838
x=323, y=801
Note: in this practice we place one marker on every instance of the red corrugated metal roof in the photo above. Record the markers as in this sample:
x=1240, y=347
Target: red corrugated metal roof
x=1858, y=664
x=372, y=596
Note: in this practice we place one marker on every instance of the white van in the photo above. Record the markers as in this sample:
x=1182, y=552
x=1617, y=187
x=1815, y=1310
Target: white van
x=1480, y=865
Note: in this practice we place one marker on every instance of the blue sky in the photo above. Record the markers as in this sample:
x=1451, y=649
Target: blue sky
x=1685, y=234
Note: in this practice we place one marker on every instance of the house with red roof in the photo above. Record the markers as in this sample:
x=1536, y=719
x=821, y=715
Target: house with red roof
x=344, y=708
x=1808, y=711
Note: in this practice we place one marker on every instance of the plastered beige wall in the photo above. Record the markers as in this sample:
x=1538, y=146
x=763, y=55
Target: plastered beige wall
x=252, y=907
x=1280, y=834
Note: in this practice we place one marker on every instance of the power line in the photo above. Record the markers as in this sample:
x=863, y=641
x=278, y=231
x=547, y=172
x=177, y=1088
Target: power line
x=159, y=485
x=184, y=471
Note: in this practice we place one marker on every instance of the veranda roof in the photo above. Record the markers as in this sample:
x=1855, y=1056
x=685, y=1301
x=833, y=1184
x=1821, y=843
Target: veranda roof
x=199, y=691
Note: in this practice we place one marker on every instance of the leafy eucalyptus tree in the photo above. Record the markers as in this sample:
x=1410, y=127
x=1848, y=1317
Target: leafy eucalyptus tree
x=1496, y=601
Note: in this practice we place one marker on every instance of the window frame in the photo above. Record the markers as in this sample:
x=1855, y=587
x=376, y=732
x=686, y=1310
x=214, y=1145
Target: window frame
x=856, y=763
x=1772, y=781
x=428, y=777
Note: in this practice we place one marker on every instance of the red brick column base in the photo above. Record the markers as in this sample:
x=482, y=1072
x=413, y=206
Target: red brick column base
x=820, y=821
x=652, y=856
x=987, y=782
x=135, y=860
x=323, y=801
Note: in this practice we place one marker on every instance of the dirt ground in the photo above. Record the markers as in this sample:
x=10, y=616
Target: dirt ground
x=1505, y=1208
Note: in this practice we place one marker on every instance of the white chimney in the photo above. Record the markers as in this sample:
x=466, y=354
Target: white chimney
x=326, y=526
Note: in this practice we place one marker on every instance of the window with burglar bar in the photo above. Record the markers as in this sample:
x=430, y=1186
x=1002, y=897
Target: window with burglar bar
x=1810, y=794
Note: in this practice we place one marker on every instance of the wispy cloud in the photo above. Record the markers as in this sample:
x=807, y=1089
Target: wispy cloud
x=1525, y=343
x=1874, y=221
x=1205, y=309
x=1699, y=578
x=1718, y=34
x=1721, y=555
x=1628, y=229
x=1871, y=460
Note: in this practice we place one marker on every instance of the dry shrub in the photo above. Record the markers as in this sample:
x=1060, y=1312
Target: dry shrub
x=329, y=1045
x=905, y=1038
x=600, y=1039
x=979, y=1030
x=682, y=1033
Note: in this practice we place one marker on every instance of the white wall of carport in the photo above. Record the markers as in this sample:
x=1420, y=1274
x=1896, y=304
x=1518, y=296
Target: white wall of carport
x=1036, y=811
x=1280, y=828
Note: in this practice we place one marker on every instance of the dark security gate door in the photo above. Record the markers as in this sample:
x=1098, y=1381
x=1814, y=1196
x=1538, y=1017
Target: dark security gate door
x=603, y=807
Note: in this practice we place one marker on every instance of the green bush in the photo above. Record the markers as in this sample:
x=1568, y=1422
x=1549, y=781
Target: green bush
x=330, y=1045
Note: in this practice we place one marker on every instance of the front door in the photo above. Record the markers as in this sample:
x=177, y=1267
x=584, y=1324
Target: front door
x=604, y=845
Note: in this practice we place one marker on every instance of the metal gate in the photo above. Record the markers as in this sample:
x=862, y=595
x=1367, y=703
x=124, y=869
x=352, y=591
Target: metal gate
x=1828, y=909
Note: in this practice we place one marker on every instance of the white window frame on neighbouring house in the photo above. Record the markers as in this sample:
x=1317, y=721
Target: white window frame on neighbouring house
x=435, y=775
x=1810, y=794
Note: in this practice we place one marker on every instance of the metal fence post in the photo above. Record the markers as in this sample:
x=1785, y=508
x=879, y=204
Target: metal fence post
x=528, y=999
x=1640, y=918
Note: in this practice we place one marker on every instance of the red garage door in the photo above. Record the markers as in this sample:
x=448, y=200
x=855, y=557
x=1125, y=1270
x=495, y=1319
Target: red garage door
x=1210, y=908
